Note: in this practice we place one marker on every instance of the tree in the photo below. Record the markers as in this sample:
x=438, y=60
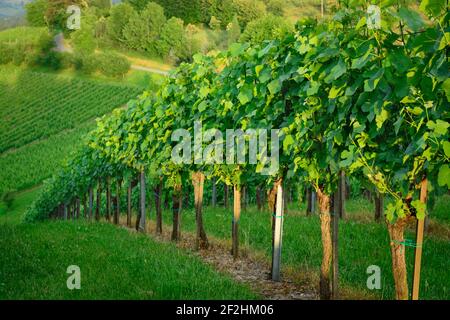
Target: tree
x=172, y=43
x=215, y=23
x=119, y=17
x=248, y=10
x=56, y=14
x=223, y=10
x=35, y=13
x=276, y=7
x=83, y=40
x=144, y=28
x=190, y=11
x=269, y=27
x=193, y=41
x=233, y=31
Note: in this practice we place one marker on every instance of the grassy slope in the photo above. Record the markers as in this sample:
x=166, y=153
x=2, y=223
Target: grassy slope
x=361, y=244
x=115, y=263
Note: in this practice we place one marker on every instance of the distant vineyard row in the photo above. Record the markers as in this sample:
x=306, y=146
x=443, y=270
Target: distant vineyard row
x=36, y=105
x=33, y=163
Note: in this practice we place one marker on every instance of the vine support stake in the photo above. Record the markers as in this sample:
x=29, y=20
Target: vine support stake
x=91, y=202
x=65, y=211
x=142, y=202
x=419, y=241
x=129, y=191
x=235, y=223
x=278, y=233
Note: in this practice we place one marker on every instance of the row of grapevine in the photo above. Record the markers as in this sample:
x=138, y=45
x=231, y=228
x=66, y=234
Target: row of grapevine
x=372, y=103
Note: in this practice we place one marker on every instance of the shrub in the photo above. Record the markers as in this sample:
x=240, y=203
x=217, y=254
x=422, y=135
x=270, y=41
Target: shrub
x=85, y=63
x=173, y=40
x=112, y=65
x=269, y=27
x=248, y=10
x=83, y=40
x=50, y=59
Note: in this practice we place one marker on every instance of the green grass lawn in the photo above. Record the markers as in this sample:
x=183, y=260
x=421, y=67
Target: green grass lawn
x=114, y=262
x=361, y=244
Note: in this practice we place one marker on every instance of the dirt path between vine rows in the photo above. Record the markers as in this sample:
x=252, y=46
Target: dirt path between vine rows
x=250, y=268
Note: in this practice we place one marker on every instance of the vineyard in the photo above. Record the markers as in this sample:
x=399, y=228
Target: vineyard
x=30, y=164
x=50, y=104
x=349, y=100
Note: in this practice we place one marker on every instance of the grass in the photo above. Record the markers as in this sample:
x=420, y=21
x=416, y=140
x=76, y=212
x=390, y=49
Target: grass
x=29, y=35
x=114, y=262
x=361, y=244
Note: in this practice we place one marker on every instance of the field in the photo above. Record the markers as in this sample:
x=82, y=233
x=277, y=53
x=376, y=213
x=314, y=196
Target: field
x=36, y=105
x=32, y=163
x=45, y=117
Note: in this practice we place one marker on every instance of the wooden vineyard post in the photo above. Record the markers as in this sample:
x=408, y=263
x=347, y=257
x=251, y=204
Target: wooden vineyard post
x=117, y=211
x=244, y=198
x=419, y=242
x=142, y=222
x=129, y=190
x=342, y=190
x=108, y=198
x=85, y=207
x=91, y=201
x=378, y=206
x=201, y=241
x=65, y=211
x=235, y=222
x=313, y=201
x=259, y=195
x=214, y=193
x=177, y=202
x=308, y=201
x=78, y=205
x=158, y=208
x=225, y=196
x=278, y=233
x=99, y=201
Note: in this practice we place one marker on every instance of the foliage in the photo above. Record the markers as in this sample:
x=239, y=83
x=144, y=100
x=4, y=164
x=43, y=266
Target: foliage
x=112, y=65
x=144, y=28
x=276, y=7
x=233, y=31
x=83, y=40
x=35, y=13
x=172, y=43
x=269, y=27
x=119, y=17
x=24, y=45
x=248, y=10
